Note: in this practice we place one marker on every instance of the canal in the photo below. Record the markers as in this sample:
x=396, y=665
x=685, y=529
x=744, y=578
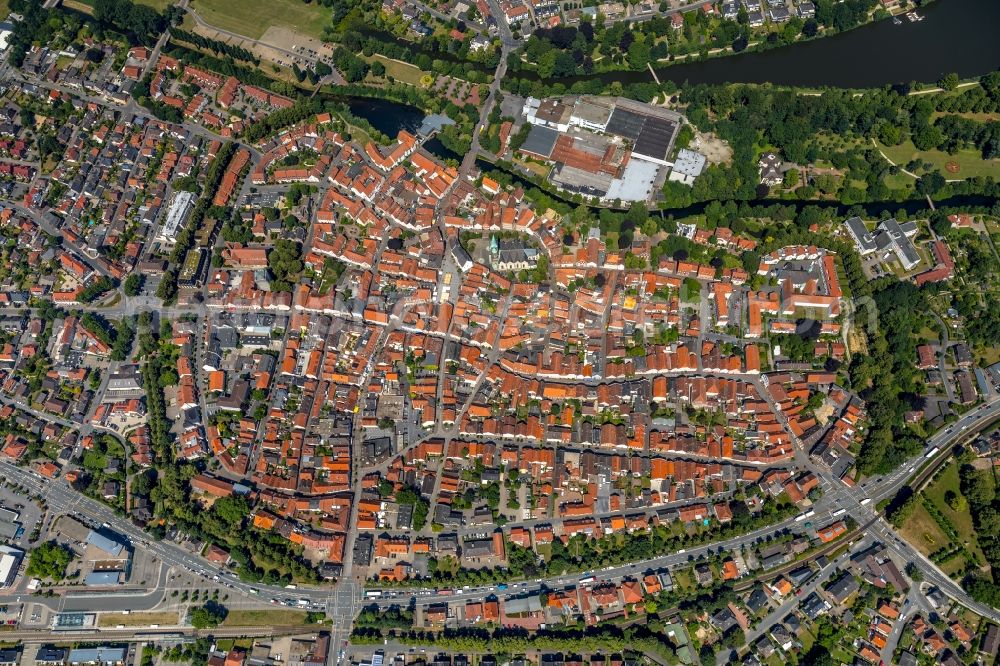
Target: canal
x=872, y=209
x=389, y=117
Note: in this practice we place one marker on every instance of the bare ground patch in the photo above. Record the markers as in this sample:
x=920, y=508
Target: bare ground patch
x=712, y=147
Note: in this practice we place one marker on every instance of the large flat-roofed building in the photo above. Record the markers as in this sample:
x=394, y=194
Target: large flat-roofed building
x=10, y=561
x=105, y=545
x=124, y=384
x=608, y=148
x=592, y=113
x=636, y=183
x=688, y=166
x=109, y=559
x=178, y=211
x=863, y=239
x=10, y=526
x=655, y=140
x=577, y=180
x=104, y=655
x=899, y=239
x=103, y=578
x=652, y=129
x=540, y=142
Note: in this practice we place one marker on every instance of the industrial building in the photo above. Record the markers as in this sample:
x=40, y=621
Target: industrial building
x=608, y=148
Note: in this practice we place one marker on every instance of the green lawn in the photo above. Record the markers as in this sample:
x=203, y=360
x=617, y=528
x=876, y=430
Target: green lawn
x=684, y=579
x=898, y=181
x=955, y=566
x=158, y=5
x=970, y=162
x=923, y=532
x=165, y=618
x=264, y=617
x=962, y=521
x=401, y=71
x=255, y=16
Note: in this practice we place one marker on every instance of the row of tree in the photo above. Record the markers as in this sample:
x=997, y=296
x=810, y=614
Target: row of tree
x=978, y=488
x=218, y=47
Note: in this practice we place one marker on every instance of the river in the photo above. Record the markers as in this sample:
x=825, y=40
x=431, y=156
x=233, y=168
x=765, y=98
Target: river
x=955, y=36
x=958, y=36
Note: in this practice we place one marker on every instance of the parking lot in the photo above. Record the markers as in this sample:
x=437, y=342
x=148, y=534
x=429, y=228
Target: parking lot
x=29, y=513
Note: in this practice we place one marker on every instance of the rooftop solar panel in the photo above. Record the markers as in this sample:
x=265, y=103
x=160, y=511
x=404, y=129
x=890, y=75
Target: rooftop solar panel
x=540, y=141
x=625, y=123
x=655, y=138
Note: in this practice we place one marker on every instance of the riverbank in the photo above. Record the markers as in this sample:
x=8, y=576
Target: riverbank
x=855, y=59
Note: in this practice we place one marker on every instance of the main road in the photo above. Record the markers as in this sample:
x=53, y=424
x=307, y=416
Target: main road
x=62, y=499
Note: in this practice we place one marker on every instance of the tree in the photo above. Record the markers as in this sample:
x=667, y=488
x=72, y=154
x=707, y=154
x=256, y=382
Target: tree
x=889, y=134
x=818, y=655
x=926, y=137
x=378, y=69
x=930, y=184
x=133, y=284
x=638, y=55
x=210, y=615
x=955, y=501
x=232, y=510
x=285, y=262
x=792, y=178
x=949, y=81
x=49, y=560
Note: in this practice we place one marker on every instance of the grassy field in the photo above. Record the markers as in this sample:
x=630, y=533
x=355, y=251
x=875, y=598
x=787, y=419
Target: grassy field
x=961, y=520
x=923, y=532
x=401, y=71
x=85, y=6
x=163, y=618
x=970, y=162
x=981, y=117
x=898, y=181
x=158, y=5
x=536, y=168
x=255, y=16
x=227, y=644
x=284, y=617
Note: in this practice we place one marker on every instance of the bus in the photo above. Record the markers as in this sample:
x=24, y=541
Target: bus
x=932, y=453
x=373, y=594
